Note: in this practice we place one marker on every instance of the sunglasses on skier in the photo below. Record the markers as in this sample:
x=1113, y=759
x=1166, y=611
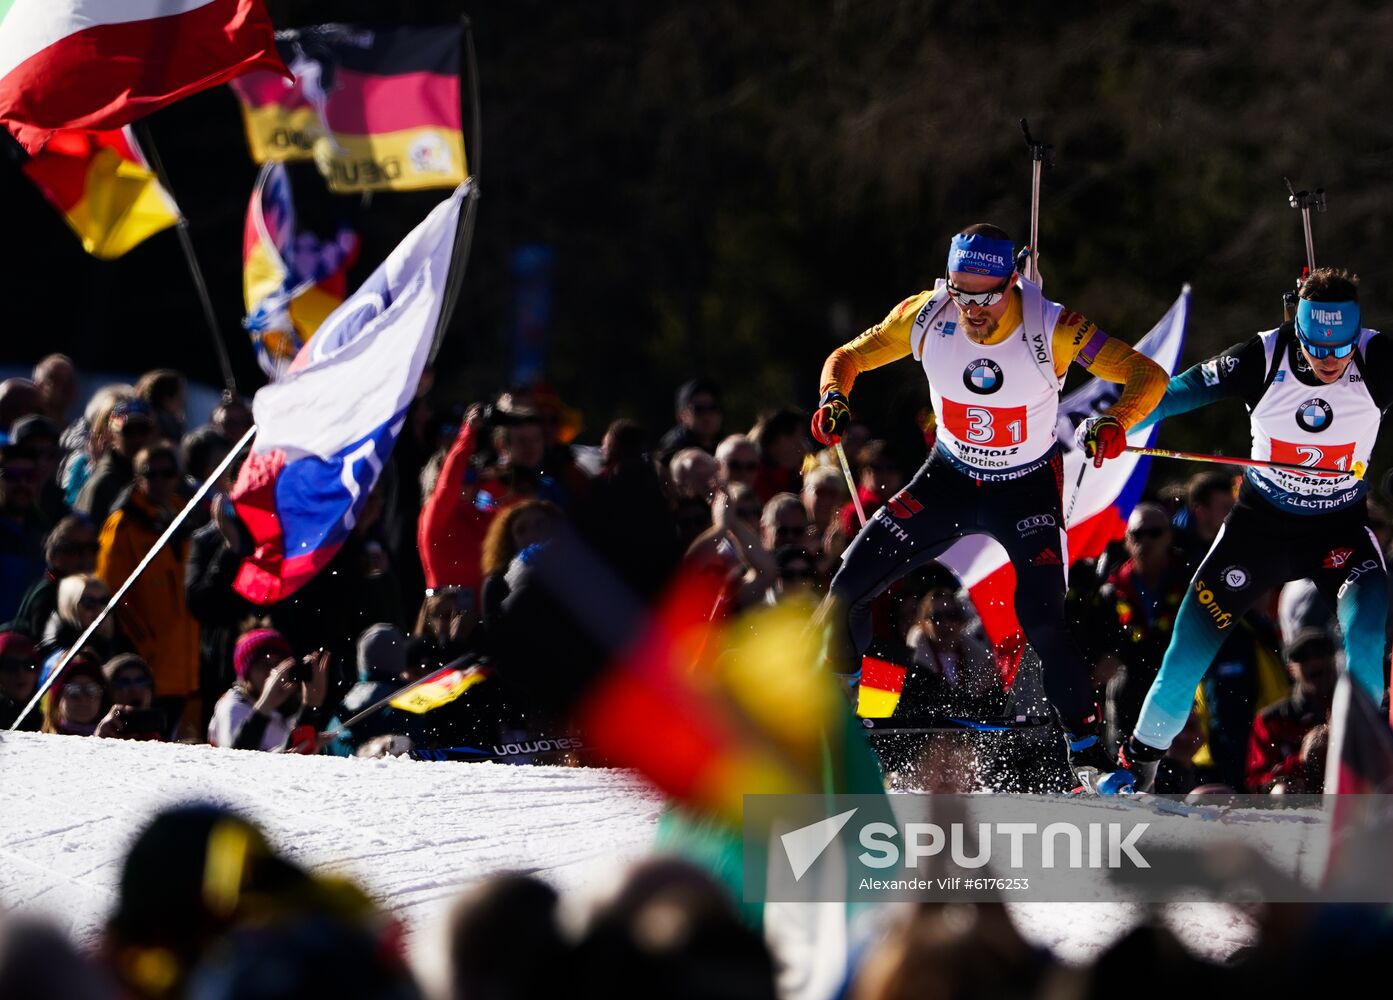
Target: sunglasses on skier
x=981, y=300
x=1320, y=353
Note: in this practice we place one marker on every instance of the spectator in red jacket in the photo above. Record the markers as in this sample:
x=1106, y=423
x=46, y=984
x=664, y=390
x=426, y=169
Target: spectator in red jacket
x=454, y=521
x=1274, y=749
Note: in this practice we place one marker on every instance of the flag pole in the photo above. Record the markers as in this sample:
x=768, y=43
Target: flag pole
x=160, y=543
x=152, y=155
x=464, y=229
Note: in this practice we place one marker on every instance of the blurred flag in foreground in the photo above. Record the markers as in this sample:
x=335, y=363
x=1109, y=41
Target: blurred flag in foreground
x=1359, y=758
x=713, y=711
x=440, y=688
x=378, y=109
x=101, y=64
x=104, y=188
x=1098, y=516
x=1358, y=780
x=328, y=427
x=291, y=281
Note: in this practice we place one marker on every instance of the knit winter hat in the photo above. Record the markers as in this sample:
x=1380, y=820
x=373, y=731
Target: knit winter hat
x=255, y=644
x=118, y=663
x=381, y=653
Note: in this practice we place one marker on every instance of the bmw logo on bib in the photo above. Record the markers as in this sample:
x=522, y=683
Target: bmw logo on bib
x=1314, y=415
x=982, y=376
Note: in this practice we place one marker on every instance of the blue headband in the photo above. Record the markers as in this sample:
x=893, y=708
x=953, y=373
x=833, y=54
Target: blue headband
x=1327, y=324
x=982, y=255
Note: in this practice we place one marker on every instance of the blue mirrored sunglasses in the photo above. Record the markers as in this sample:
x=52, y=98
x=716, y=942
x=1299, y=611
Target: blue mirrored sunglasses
x=1320, y=353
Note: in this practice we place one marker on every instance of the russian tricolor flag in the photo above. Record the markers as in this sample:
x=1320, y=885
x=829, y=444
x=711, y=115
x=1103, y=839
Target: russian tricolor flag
x=327, y=428
x=1098, y=516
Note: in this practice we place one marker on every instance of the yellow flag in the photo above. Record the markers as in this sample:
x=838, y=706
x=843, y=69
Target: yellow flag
x=441, y=688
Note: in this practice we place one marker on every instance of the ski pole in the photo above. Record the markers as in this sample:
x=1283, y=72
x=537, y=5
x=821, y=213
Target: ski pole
x=1040, y=154
x=1078, y=487
x=1256, y=463
x=851, y=483
x=913, y=724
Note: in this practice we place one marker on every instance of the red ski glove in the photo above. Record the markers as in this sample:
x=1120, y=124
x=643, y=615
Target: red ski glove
x=1102, y=438
x=831, y=419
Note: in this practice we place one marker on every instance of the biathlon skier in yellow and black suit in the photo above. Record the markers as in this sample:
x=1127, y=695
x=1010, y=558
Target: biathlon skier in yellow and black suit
x=996, y=353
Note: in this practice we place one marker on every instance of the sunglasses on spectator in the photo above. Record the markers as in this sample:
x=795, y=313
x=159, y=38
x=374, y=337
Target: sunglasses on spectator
x=11, y=664
x=706, y=407
x=981, y=300
x=159, y=472
x=734, y=466
x=131, y=681
x=84, y=690
x=1143, y=533
x=790, y=530
x=19, y=474
x=135, y=426
x=92, y=603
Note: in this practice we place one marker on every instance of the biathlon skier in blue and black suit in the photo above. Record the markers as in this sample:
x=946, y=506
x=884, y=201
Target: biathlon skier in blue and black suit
x=1316, y=390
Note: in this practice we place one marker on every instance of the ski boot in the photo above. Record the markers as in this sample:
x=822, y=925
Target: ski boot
x=1140, y=761
x=1089, y=761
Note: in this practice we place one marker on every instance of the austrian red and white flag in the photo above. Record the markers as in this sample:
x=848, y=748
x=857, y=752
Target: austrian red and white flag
x=1097, y=515
x=97, y=65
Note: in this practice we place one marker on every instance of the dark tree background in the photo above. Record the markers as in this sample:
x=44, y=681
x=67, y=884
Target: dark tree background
x=735, y=188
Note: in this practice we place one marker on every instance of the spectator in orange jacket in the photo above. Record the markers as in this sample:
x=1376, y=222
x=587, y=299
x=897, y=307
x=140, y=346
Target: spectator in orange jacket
x=153, y=616
x=1274, y=749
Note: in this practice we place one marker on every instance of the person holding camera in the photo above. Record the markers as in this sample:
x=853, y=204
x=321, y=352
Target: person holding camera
x=277, y=703
x=133, y=715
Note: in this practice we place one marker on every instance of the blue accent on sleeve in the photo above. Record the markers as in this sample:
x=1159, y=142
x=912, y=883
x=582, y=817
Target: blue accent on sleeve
x=1185, y=392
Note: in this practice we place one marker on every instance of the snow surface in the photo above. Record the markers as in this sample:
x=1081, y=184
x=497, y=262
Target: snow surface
x=413, y=833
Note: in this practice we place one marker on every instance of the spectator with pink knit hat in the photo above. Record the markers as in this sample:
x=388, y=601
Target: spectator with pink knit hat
x=277, y=701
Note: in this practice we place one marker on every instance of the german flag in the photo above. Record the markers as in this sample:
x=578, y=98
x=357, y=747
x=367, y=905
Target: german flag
x=376, y=109
x=440, y=688
x=103, y=187
x=882, y=683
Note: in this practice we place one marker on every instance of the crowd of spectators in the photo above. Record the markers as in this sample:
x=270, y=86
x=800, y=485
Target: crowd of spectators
x=209, y=908
x=470, y=495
